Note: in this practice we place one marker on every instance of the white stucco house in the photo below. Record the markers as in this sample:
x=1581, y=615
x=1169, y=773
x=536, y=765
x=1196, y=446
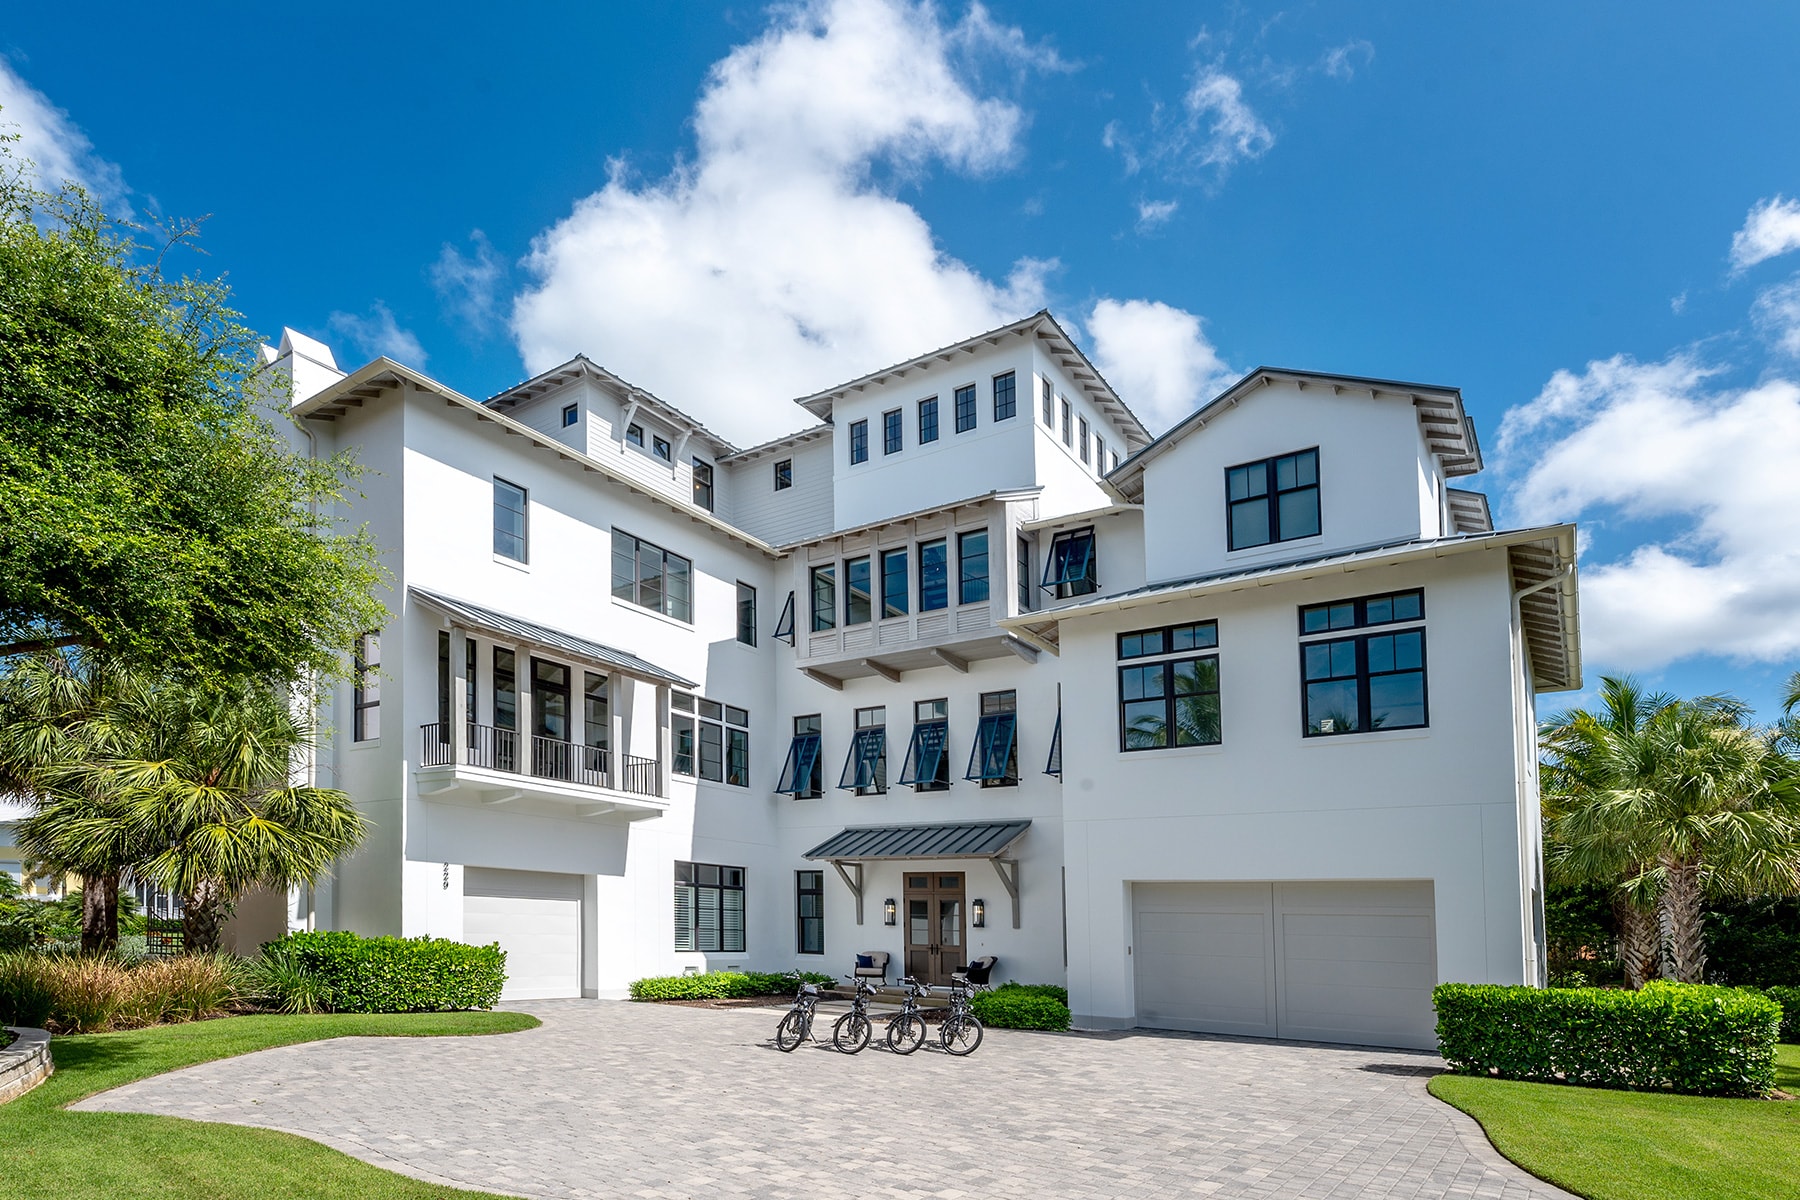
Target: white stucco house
x=1230, y=729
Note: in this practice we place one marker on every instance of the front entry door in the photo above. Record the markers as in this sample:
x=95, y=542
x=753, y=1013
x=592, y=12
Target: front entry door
x=934, y=926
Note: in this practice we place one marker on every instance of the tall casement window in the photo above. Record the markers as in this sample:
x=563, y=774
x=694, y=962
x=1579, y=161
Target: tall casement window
x=934, y=575
x=659, y=446
x=824, y=597
x=1024, y=574
x=784, y=624
x=1112, y=460
x=809, y=912
x=746, y=613
x=709, y=908
x=1068, y=424
x=471, y=655
x=445, y=695
x=365, y=700
x=703, y=484
x=647, y=575
x=1072, y=567
x=859, y=442
x=927, y=765
x=510, y=529
x=549, y=701
x=1006, y=400
x=1364, y=682
x=859, y=598
x=634, y=434
x=1168, y=694
x=1049, y=394
x=928, y=420
x=965, y=408
x=803, y=775
x=865, y=767
x=994, y=759
x=894, y=589
x=972, y=563
x=890, y=432
x=1099, y=452
x=784, y=474
x=712, y=740
x=506, y=690
x=1081, y=437
x=1275, y=500
x=596, y=723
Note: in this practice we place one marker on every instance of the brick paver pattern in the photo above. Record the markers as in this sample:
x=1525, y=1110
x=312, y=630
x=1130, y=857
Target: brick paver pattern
x=613, y=1099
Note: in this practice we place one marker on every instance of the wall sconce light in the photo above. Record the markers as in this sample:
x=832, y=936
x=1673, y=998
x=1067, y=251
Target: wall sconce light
x=890, y=911
x=979, y=910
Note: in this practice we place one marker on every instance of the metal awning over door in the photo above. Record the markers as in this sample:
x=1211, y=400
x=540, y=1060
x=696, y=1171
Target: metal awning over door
x=848, y=850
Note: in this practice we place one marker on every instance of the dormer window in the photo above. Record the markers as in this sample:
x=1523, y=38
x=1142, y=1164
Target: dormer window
x=1274, y=500
x=634, y=434
x=571, y=413
x=703, y=484
x=660, y=447
x=1070, y=569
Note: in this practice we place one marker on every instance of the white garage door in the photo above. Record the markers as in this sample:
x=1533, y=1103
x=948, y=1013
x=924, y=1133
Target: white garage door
x=1329, y=962
x=536, y=918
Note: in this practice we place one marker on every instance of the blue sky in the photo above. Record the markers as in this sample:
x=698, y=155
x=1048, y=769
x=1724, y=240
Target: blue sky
x=1587, y=218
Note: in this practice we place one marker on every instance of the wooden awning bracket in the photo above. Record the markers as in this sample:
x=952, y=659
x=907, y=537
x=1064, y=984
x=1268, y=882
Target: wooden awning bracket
x=856, y=886
x=1009, y=881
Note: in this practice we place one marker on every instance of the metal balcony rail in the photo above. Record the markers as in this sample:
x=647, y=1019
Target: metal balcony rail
x=551, y=758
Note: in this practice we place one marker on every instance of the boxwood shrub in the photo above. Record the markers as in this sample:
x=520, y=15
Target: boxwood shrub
x=1023, y=1006
x=396, y=975
x=719, y=985
x=1703, y=1041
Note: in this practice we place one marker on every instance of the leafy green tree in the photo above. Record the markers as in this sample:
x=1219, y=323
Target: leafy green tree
x=146, y=507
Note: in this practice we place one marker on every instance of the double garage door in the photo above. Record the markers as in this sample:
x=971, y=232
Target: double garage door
x=1328, y=962
x=536, y=918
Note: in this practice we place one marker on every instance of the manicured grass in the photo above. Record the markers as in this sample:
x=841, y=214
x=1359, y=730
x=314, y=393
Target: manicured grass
x=99, y=1156
x=1609, y=1145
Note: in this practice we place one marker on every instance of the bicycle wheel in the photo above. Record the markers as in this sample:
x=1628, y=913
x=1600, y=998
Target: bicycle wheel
x=791, y=1032
x=905, y=1034
x=960, y=1035
x=851, y=1033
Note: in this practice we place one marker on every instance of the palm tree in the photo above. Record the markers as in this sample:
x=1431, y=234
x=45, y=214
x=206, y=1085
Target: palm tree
x=214, y=799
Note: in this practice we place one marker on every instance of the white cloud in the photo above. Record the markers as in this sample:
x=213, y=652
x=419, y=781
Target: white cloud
x=1157, y=357
x=1232, y=131
x=378, y=334
x=1708, y=471
x=468, y=284
x=774, y=262
x=1772, y=228
x=1777, y=315
x=51, y=139
x=1153, y=214
x=1342, y=62
x=1214, y=130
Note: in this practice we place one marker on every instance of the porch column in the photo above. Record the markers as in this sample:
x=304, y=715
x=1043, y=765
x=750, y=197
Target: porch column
x=616, y=687
x=459, y=696
x=522, y=682
x=665, y=740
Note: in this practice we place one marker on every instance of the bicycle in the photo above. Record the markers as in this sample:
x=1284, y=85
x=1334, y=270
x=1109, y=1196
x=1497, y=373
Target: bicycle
x=851, y=1033
x=796, y=1027
x=961, y=1030
x=906, y=1032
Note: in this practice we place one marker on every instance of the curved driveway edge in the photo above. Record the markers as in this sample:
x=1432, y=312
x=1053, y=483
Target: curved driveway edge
x=613, y=1099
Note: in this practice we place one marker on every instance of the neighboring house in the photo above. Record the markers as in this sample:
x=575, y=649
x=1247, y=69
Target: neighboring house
x=1231, y=730
x=18, y=864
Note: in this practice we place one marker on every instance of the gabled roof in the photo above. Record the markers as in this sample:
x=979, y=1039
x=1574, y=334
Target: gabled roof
x=1469, y=512
x=583, y=367
x=1442, y=420
x=1002, y=494
x=505, y=625
x=1048, y=334
x=786, y=441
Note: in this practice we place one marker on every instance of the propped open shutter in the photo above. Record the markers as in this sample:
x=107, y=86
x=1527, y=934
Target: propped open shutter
x=993, y=747
x=797, y=772
x=1053, y=765
x=862, y=768
x=925, y=753
x=784, y=628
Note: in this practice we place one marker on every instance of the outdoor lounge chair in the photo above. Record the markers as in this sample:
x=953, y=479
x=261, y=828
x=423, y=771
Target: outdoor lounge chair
x=872, y=964
x=976, y=973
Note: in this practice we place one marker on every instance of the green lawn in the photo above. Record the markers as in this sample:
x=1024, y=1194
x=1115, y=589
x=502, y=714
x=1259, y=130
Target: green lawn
x=78, y=1155
x=1630, y=1145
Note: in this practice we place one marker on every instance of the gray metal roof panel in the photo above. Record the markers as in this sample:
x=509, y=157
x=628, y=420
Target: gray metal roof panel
x=958, y=839
x=508, y=625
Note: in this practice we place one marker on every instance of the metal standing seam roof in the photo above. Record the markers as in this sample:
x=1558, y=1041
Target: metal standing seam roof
x=507, y=625
x=960, y=839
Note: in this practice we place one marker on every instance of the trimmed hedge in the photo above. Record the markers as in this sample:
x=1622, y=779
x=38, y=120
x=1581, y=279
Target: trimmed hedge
x=719, y=985
x=396, y=975
x=1023, y=1006
x=1702, y=1041
x=1789, y=999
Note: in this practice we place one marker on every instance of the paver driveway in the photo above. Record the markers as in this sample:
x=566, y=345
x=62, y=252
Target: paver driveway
x=612, y=1099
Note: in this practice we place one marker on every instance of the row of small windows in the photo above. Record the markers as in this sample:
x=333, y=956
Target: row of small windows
x=1087, y=443
x=993, y=755
x=885, y=580
x=893, y=422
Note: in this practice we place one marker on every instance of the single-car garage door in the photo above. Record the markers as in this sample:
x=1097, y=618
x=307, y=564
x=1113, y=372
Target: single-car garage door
x=536, y=918
x=1329, y=962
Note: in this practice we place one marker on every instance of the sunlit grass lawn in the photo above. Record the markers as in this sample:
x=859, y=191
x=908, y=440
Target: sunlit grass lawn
x=47, y=1152
x=1610, y=1145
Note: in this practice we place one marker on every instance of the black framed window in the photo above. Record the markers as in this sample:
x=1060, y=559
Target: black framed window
x=965, y=408
x=1170, y=703
x=506, y=690
x=510, y=525
x=634, y=434
x=445, y=697
x=1274, y=500
x=1099, y=452
x=927, y=764
x=824, y=597
x=660, y=447
x=972, y=565
x=649, y=576
x=803, y=775
x=596, y=721
x=890, y=432
x=1068, y=424
x=1384, y=609
x=746, y=613
x=784, y=474
x=784, y=624
x=571, y=413
x=928, y=430
x=1081, y=437
x=859, y=596
x=1006, y=400
x=894, y=590
x=934, y=575
x=865, y=767
x=1049, y=394
x=712, y=740
x=994, y=759
x=1363, y=684
x=703, y=484
x=859, y=442
x=1024, y=574
x=1112, y=461
x=1072, y=567
x=709, y=908
x=809, y=912
x=365, y=700
x=1170, y=639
